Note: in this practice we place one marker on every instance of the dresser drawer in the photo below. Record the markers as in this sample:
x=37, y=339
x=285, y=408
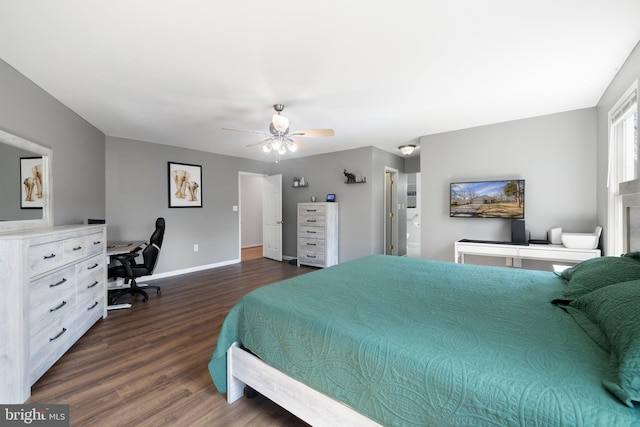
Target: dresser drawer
x=307, y=232
x=312, y=221
x=310, y=257
x=90, y=269
x=314, y=210
x=45, y=257
x=75, y=248
x=51, y=295
x=95, y=243
x=50, y=343
x=90, y=279
x=311, y=244
x=90, y=310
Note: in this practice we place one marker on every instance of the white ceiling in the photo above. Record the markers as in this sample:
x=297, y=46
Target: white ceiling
x=380, y=73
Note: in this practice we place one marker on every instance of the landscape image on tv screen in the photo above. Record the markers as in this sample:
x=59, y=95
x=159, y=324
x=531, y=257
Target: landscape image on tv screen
x=488, y=199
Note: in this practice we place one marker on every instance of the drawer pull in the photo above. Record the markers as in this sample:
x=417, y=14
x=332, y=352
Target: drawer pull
x=93, y=284
x=311, y=232
x=311, y=244
x=59, y=335
x=51, y=310
x=311, y=256
x=93, y=266
x=53, y=285
x=312, y=210
x=93, y=306
x=49, y=256
x=97, y=242
x=77, y=248
x=312, y=220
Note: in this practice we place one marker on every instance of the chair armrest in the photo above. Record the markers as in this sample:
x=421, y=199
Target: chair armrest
x=126, y=261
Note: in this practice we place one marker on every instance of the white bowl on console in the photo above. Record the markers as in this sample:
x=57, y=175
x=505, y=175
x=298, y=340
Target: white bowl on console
x=582, y=240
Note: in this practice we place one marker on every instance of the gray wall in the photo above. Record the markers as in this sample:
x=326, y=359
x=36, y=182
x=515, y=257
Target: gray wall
x=555, y=154
x=137, y=193
x=627, y=74
x=361, y=205
x=78, y=147
x=412, y=164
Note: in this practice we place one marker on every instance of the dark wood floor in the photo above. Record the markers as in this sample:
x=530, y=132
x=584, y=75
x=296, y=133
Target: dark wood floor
x=147, y=366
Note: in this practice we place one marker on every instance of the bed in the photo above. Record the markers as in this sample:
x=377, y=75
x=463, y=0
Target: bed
x=407, y=342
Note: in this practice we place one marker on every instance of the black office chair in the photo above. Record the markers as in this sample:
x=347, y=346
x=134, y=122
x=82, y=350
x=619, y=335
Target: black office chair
x=130, y=270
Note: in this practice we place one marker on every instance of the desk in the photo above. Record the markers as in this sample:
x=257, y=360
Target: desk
x=116, y=248
x=516, y=253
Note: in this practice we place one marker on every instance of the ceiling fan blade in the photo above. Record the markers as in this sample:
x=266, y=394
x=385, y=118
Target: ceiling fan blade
x=250, y=131
x=298, y=142
x=312, y=133
x=262, y=141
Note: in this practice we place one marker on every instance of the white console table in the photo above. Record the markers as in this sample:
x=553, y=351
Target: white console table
x=516, y=253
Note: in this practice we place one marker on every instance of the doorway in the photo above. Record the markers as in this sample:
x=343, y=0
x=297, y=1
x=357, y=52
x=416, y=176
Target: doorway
x=413, y=215
x=250, y=215
x=390, y=212
x=260, y=216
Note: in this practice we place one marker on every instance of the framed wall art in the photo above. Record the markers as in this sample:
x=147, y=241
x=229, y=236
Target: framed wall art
x=31, y=183
x=185, y=185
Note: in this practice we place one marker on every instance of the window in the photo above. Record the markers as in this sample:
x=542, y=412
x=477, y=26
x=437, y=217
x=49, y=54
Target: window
x=623, y=162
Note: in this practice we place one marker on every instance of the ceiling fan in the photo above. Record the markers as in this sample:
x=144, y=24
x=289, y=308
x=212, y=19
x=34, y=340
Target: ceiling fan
x=279, y=138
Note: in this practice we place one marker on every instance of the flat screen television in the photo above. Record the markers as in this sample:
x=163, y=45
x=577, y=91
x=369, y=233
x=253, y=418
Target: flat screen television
x=487, y=199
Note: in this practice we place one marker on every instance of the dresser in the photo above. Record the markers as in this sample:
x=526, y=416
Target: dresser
x=318, y=234
x=52, y=290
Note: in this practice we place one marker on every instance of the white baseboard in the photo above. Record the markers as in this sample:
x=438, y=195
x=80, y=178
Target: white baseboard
x=190, y=270
x=200, y=268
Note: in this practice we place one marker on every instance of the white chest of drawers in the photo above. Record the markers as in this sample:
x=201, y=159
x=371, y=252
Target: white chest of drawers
x=318, y=234
x=52, y=290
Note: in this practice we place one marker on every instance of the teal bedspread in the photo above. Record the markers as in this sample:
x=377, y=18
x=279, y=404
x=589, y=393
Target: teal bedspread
x=411, y=342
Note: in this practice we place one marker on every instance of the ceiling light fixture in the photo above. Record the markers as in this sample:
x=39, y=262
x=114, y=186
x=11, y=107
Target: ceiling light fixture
x=280, y=123
x=407, y=149
x=279, y=138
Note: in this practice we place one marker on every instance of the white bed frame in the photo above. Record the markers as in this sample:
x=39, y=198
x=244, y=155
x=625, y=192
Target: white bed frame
x=309, y=405
x=318, y=409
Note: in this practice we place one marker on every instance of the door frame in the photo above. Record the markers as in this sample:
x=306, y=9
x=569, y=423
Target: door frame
x=391, y=199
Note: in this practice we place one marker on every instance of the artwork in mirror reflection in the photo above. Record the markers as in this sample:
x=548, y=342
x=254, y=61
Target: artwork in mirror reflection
x=32, y=185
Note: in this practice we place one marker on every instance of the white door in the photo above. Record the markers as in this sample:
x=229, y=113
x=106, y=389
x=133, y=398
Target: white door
x=272, y=217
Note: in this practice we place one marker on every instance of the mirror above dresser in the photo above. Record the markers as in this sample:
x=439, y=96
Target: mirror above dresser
x=26, y=197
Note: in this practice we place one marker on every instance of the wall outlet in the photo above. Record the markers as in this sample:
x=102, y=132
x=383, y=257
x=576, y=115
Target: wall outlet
x=195, y=248
x=234, y=208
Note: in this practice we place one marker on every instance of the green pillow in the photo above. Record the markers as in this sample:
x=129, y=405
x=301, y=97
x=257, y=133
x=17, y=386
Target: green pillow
x=616, y=310
x=595, y=273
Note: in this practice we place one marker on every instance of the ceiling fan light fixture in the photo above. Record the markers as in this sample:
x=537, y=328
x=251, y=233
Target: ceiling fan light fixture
x=282, y=150
x=276, y=145
x=407, y=149
x=280, y=123
x=292, y=146
x=266, y=148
